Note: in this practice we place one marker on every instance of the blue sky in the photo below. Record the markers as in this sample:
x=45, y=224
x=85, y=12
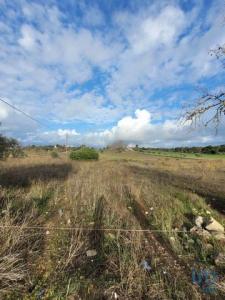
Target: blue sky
x=108, y=70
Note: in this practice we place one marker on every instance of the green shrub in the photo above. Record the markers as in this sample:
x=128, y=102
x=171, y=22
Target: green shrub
x=84, y=154
x=18, y=153
x=54, y=154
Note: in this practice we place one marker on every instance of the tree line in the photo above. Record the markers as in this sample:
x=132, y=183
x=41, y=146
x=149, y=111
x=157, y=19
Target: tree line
x=220, y=149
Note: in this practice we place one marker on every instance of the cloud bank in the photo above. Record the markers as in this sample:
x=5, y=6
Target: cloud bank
x=139, y=129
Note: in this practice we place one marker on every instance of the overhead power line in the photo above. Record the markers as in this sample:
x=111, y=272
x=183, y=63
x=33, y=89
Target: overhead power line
x=22, y=112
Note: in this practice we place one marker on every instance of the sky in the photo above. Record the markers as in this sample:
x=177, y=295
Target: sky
x=102, y=71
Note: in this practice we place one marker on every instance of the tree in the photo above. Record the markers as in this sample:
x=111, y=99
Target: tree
x=211, y=102
x=7, y=146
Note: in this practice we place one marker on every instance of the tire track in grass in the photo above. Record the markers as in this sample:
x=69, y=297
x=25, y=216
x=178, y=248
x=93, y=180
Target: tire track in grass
x=209, y=192
x=169, y=264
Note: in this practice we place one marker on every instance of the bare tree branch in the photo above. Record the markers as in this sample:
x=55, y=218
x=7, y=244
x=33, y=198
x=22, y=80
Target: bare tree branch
x=212, y=103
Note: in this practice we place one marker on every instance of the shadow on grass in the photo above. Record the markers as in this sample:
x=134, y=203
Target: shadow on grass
x=94, y=267
x=96, y=240
x=22, y=176
x=155, y=238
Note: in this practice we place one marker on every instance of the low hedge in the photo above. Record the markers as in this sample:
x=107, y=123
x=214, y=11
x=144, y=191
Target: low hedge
x=84, y=153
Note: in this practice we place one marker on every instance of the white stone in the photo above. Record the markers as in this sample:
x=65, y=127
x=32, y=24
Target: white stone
x=199, y=221
x=220, y=260
x=91, y=253
x=200, y=232
x=214, y=226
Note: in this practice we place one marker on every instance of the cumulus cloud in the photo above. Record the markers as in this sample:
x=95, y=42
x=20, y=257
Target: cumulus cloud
x=141, y=130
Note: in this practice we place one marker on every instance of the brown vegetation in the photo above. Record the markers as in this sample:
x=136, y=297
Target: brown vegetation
x=98, y=205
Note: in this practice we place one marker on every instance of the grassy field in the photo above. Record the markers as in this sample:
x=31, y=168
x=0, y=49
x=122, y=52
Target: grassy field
x=184, y=155
x=117, y=228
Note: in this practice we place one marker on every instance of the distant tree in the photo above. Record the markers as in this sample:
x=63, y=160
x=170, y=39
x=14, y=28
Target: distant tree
x=118, y=146
x=211, y=102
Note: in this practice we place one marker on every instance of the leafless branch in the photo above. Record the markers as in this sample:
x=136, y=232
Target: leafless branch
x=209, y=102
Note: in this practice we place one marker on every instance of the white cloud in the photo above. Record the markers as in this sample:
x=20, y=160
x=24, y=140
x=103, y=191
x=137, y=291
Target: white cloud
x=165, y=47
x=3, y=112
x=157, y=31
x=64, y=132
x=141, y=130
x=27, y=39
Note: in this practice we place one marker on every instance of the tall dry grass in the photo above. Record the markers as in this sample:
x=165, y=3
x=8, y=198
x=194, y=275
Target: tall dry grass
x=95, y=195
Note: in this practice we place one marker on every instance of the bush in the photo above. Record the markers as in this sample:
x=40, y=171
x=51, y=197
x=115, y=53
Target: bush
x=84, y=154
x=8, y=146
x=18, y=153
x=54, y=154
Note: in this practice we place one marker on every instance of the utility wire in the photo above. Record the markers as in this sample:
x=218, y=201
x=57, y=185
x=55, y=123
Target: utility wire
x=89, y=229
x=22, y=112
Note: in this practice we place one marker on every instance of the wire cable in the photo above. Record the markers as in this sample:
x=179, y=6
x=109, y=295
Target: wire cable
x=22, y=112
x=89, y=229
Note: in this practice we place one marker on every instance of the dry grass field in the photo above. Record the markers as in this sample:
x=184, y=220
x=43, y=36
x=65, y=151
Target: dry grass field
x=117, y=228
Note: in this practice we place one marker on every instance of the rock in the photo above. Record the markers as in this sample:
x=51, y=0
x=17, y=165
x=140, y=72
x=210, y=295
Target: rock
x=218, y=236
x=200, y=232
x=220, y=260
x=145, y=265
x=214, y=226
x=199, y=221
x=91, y=253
